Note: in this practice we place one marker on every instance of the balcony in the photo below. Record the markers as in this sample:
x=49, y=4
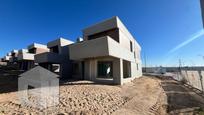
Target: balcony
x=25, y=56
x=49, y=57
x=99, y=47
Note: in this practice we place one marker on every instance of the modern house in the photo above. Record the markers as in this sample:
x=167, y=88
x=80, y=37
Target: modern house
x=109, y=53
x=14, y=57
x=7, y=57
x=57, y=59
x=26, y=56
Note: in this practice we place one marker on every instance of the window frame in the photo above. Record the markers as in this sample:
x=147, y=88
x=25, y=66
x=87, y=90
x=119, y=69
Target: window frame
x=99, y=64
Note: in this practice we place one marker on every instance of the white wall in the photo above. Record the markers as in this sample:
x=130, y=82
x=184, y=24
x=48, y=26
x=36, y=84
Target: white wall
x=91, y=71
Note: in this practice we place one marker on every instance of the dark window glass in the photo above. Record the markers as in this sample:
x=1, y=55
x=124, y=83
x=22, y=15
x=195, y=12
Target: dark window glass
x=113, y=33
x=137, y=66
x=54, y=49
x=75, y=68
x=30, y=87
x=126, y=69
x=131, y=46
x=105, y=69
x=13, y=54
x=33, y=50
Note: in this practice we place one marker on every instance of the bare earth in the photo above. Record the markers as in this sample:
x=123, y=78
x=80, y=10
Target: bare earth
x=143, y=96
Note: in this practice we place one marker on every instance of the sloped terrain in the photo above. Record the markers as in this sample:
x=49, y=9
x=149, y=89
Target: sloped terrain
x=85, y=97
x=143, y=96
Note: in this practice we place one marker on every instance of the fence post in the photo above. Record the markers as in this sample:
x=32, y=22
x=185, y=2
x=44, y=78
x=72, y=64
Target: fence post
x=201, y=80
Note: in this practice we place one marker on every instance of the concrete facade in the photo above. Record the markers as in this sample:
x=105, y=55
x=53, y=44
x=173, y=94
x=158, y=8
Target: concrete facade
x=57, y=59
x=108, y=53
x=107, y=42
x=5, y=59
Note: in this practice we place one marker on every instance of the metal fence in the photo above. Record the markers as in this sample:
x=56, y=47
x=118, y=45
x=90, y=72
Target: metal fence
x=193, y=78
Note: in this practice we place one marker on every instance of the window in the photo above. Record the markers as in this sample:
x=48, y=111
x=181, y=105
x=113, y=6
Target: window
x=56, y=68
x=113, y=33
x=105, y=69
x=137, y=66
x=126, y=69
x=54, y=49
x=13, y=54
x=75, y=68
x=131, y=49
x=33, y=50
x=30, y=87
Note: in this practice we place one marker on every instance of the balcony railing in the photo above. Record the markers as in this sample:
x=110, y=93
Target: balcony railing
x=49, y=57
x=25, y=56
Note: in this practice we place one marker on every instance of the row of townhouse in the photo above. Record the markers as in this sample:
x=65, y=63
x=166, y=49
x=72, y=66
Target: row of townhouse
x=108, y=53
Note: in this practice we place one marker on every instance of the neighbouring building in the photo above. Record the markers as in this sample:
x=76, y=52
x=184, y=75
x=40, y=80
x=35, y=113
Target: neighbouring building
x=2, y=62
x=57, y=60
x=7, y=57
x=26, y=56
x=14, y=57
x=108, y=53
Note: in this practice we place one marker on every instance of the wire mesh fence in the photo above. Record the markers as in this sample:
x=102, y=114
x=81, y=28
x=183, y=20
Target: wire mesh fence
x=193, y=78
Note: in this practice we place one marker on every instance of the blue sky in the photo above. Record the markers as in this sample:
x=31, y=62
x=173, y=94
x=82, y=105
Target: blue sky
x=167, y=30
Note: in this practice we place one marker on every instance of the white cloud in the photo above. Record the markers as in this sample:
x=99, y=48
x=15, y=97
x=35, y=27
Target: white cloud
x=194, y=37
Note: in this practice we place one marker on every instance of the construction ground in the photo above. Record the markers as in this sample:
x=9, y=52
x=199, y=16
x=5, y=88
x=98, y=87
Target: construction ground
x=143, y=96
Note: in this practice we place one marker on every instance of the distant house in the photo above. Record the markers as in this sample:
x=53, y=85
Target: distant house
x=14, y=56
x=7, y=57
x=57, y=59
x=26, y=56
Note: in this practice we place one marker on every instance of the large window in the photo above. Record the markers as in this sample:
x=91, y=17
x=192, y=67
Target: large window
x=126, y=69
x=105, y=69
x=75, y=68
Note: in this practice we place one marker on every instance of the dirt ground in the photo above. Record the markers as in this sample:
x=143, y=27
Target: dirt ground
x=143, y=96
